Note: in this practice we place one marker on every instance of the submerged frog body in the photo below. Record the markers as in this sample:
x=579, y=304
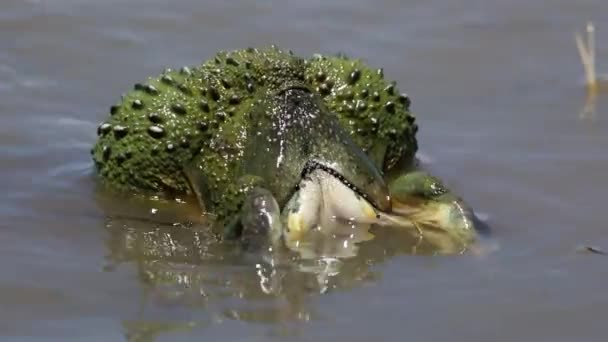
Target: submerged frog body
x=256, y=133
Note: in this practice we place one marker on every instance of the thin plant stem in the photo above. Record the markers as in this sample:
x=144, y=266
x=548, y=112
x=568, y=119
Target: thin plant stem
x=586, y=51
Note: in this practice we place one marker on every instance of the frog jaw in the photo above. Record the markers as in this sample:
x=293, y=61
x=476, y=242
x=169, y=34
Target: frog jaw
x=325, y=203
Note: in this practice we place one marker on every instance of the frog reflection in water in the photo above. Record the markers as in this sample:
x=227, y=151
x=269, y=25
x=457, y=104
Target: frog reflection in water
x=279, y=148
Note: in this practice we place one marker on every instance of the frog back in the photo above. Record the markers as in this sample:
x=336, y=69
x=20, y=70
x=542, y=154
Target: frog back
x=197, y=119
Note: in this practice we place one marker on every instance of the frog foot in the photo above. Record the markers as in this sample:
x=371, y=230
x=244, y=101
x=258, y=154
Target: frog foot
x=258, y=224
x=422, y=202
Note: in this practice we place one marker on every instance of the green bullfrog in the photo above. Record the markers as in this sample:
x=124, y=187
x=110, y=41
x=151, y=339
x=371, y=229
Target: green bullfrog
x=275, y=146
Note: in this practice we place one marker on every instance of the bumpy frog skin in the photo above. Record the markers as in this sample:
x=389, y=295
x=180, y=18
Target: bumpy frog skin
x=260, y=119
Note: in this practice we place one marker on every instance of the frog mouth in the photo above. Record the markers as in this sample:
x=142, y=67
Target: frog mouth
x=313, y=165
x=326, y=201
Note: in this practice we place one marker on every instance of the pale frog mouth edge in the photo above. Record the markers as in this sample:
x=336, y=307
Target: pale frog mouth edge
x=312, y=165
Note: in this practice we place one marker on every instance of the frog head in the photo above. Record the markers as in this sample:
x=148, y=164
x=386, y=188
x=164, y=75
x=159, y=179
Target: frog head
x=317, y=178
x=309, y=163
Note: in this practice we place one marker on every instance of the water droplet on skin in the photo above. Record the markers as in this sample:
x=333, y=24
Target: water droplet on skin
x=137, y=104
x=156, y=132
x=178, y=108
x=104, y=129
x=120, y=131
x=354, y=76
x=155, y=118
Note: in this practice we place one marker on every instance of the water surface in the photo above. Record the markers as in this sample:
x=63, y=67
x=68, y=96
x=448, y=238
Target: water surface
x=496, y=86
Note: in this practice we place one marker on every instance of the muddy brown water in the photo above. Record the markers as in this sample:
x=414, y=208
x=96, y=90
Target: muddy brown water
x=497, y=88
